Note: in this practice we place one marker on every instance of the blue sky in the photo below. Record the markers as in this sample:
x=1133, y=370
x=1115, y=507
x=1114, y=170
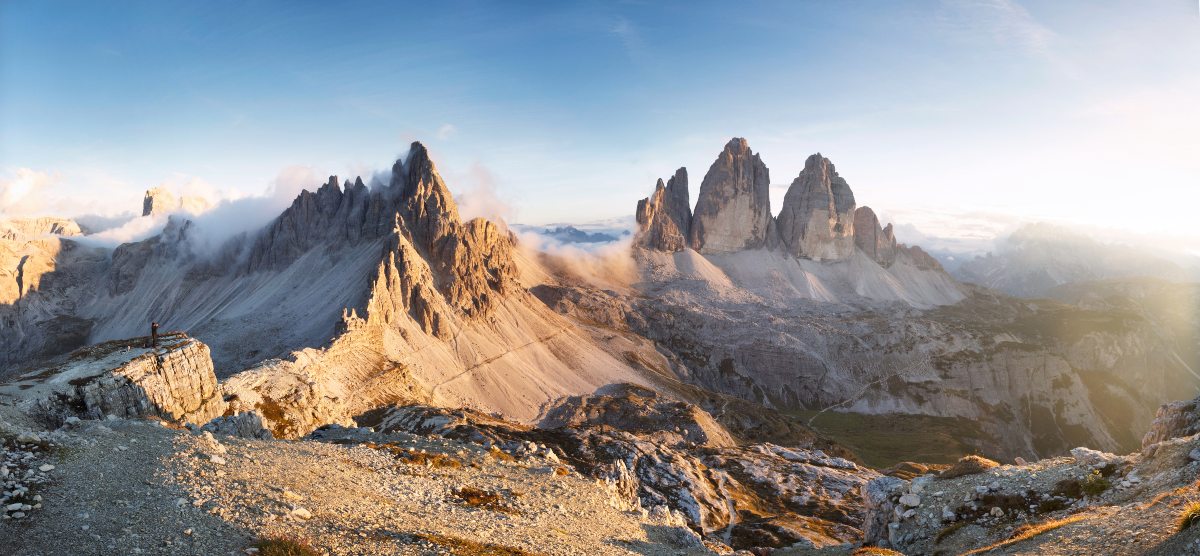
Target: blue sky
x=957, y=114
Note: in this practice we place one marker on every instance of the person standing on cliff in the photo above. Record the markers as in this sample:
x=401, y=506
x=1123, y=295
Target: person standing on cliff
x=153, y=335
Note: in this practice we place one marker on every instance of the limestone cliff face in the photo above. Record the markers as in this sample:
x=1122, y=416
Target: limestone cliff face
x=877, y=242
x=404, y=285
x=733, y=212
x=665, y=218
x=817, y=220
x=174, y=381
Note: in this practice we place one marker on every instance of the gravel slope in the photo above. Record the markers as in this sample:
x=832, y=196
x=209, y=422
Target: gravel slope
x=137, y=487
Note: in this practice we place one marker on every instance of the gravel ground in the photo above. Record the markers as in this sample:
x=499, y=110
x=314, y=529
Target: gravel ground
x=137, y=487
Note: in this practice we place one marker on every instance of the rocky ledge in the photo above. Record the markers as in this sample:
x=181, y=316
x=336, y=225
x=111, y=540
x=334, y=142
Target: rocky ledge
x=127, y=378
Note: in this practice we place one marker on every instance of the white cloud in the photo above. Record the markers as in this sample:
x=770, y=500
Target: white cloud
x=23, y=192
x=481, y=199
x=446, y=132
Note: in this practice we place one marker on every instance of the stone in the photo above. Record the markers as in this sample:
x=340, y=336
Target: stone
x=218, y=460
x=1092, y=458
x=733, y=211
x=301, y=513
x=948, y=514
x=910, y=500
x=46, y=467
x=996, y=511
x=245, y=424
x=28, y=438
x=818, y=216
x=1020, y=461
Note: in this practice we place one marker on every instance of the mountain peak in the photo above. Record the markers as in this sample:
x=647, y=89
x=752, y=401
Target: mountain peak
x=817, y=219
x=734, y=209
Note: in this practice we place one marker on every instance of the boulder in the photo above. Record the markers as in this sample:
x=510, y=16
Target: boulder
x=247, y=424
x=1092, y=458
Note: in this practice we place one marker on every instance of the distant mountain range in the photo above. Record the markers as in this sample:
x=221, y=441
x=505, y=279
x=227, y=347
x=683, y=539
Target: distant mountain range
x=567, y=233
x=1039, y=257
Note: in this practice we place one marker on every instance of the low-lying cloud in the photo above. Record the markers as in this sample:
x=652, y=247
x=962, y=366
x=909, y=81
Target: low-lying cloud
x=604, y=265
x=223, y=219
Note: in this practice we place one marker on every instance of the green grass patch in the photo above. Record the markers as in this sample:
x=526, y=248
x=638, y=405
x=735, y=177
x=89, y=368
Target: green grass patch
x=882, y=441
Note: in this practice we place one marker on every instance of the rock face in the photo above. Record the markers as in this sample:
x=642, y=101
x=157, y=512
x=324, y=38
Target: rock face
x=174, y=381
x=877, y=242
x=817, y=220
x=1174, y=420
x=665, y=218
x=733, y=212
x=17, y=228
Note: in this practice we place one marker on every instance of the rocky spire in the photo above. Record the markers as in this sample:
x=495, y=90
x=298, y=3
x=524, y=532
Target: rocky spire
x=878, y=243
x=665, y=218
x=428, y=207
x=734, y=209
x=817, y=220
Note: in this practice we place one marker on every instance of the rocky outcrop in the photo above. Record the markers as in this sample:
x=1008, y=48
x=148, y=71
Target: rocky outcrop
x=404, y=285
x=1087, y=500
x=1174, y=420
x=640, y=411
x=30, y=228
x=918, y=257
x=877, y=242
x=733, y=212
x=665, y=218
x=817, y=220
x=174, y=381
x=759, y=495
